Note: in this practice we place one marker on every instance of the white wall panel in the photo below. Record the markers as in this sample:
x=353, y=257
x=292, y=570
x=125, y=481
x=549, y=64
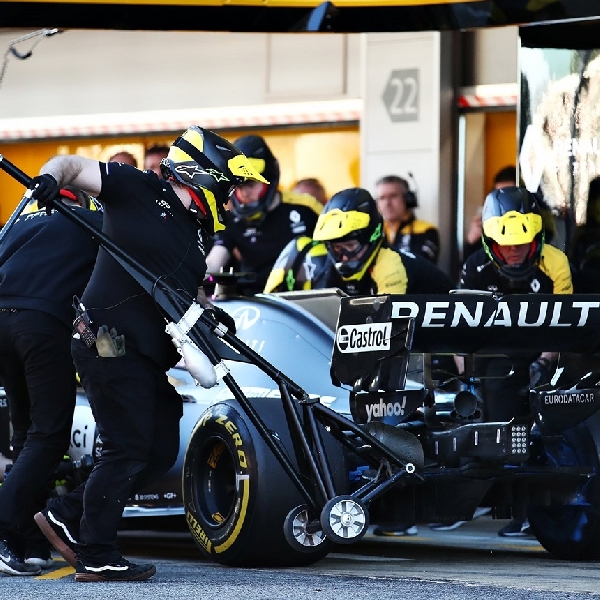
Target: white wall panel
x=87, y=72
x=306, y=66
x=399, y=143
x=495, y=55
x=386, y=54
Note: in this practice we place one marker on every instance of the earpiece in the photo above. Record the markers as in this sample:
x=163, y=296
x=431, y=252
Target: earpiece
x=410, y=196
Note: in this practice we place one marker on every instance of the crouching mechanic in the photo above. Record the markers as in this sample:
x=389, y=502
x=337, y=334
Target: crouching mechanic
x=348, y=251
x=164, y=224
x=38, y=278
x=514, y=260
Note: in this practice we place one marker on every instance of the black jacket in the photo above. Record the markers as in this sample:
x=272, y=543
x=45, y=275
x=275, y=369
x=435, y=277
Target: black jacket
x=40, y=272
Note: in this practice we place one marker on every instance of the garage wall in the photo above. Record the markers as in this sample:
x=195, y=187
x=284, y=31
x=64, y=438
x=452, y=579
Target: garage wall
x=95, y=72
x=495, y=55
x=87, y=72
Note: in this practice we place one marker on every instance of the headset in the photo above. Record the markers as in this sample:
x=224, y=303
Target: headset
x=410, y=196
x=410, y=183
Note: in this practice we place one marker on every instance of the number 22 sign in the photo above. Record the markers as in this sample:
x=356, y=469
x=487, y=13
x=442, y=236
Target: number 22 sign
x=401, y=95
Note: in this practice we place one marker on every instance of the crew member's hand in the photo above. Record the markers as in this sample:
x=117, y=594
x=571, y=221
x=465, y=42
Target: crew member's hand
x=222, y=317
x=475, y=229
x=45, y=191
x=540, y=372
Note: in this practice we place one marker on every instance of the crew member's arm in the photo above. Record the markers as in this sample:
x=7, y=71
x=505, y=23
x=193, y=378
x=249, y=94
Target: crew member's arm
x=563, y=282
x=217, y=258
x=468, y=276
x=555, y=264
x=389, y=272
x=542, y=369
x=467, y=282
x=81, y=172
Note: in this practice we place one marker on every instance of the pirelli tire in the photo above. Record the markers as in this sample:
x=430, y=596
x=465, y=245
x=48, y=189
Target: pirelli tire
x=568, y=532
x=572, y=531
x=236, y=494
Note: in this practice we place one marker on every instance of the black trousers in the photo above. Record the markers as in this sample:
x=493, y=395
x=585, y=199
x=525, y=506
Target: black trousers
x=505, y=396
x=137, y=412
x=39, y=378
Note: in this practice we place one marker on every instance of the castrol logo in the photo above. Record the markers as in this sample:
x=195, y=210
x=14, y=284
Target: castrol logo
x=370, y=337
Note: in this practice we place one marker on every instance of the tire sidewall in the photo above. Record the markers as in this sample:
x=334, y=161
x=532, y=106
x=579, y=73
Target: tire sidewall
x=220, y=423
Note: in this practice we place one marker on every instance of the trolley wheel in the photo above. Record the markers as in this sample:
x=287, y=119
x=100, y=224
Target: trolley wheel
x=344, y=519
x=302, y=532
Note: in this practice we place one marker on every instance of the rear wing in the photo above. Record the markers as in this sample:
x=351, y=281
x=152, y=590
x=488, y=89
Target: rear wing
x=375, y=334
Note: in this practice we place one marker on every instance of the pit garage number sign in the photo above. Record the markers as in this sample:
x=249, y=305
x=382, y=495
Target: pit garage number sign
x=401, y=95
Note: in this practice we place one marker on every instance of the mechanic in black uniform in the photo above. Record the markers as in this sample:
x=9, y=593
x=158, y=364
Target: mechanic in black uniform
x=349, y=251
x=514, y=260
x=44, y=260
x=163, y=224
x=264, y=219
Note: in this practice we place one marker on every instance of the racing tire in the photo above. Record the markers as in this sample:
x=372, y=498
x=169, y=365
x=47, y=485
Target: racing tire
x=567, y=532
x=237, y=496
x=571, y=531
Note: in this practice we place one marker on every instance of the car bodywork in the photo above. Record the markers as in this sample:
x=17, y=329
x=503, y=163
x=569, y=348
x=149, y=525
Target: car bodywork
x=374, y=365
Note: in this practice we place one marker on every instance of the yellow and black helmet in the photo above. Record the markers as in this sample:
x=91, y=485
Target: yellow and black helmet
x=351, y=215
x=260, y=156
x=211, y=167
x=511, y=217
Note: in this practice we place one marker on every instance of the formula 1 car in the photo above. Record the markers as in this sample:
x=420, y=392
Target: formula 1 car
x=310, y=428
x=271, y=475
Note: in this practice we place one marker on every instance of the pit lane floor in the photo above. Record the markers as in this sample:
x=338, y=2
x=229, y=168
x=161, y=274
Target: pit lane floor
x=468, y=563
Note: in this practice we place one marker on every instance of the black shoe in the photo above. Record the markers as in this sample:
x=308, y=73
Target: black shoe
x=57, y=531
x=38, y=552
x=11, y=564
x=396, y=530
x=446, y=526
x=516, y=528
x=122, y=570
x=42, y=562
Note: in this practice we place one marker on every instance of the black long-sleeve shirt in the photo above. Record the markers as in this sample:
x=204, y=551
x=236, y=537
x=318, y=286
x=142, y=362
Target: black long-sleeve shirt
x=39, y=270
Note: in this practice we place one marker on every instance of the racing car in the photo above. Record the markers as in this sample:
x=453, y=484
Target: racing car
x=325, y=414
x=338, y=418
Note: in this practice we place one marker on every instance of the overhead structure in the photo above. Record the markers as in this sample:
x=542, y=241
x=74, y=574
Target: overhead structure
x=332, y=112
x=341, y=16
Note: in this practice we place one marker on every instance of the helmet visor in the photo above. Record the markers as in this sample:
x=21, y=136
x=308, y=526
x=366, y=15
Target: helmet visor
x=349, y=250
x=513, y=228
x=242, y=166
x=336, y=224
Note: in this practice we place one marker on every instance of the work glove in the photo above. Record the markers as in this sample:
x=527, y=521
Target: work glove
x=540, y=372
x=108, y=343
x=45, y=191
x=218, y=314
